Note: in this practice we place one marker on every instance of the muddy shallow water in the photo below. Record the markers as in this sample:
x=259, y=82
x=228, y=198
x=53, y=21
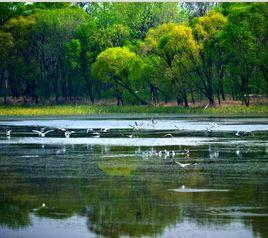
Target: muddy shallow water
x=113, y=182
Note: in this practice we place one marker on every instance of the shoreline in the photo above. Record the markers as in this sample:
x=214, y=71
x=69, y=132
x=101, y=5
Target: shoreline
x=86, y=110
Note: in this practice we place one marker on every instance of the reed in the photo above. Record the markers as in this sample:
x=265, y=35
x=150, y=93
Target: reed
x=96, y=109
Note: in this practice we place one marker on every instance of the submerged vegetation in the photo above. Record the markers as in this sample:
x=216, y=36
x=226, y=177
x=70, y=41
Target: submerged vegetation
x=96, y=109
x=136, y=53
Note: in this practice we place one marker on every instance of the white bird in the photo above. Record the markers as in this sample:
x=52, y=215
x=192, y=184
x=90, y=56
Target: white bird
x=60, y=128
x=42, y=129
x=104, y=129
x=206, y=107
x=96, y=134
x=8, y=133
x=68, y=133
x=211, y=125
x=130, y=136
x=181, y=164
x=183, y=187
x=89, y=130
x=136, y=126
x=166, y=152
x=214, y=124
x=154, y=122
x=168, y=135
x=42, y=133
x=242, y=133
x=43, y=205
x=187, y=151
x=172, y=153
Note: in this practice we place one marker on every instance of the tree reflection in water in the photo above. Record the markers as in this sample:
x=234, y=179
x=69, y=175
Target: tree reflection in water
x=129, y=195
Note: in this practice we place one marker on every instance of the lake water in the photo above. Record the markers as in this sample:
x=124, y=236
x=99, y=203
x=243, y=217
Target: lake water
x=112, y=181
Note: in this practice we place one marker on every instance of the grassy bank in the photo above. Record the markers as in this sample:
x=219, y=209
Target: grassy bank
x=89, y=109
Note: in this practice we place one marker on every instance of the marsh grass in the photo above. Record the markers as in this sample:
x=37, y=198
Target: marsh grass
x=91, y=109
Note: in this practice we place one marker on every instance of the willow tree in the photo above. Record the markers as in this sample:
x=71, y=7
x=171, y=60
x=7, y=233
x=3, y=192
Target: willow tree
x=114, y=65
x=177, y=50
x=210, y=64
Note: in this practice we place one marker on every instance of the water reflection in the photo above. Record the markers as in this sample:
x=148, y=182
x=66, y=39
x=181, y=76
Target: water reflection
x=115, y=191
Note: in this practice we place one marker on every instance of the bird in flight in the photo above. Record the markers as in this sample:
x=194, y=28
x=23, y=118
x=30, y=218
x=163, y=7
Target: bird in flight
x=89, y=130
x=68, y=133
x=154, y=122
x=136, y=126
x=211, y=126
x=104, y=129
x=181, y=164
x=168, y=135
x=42, y=133
x=8, y=132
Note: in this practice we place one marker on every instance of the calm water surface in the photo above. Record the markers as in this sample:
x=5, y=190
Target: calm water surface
x=114, y=185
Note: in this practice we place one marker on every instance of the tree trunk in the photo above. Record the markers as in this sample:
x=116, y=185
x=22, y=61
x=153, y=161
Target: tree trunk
x=185, y=101
x=245, y=90
x=219, y=96
x=192, y=95
x=6, y=87
x=118, y=95
x=36, y=99
x=91, y=96
x=126, y=86
x=222, y=92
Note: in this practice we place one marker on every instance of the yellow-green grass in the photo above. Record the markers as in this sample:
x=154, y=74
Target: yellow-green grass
x=92, y=109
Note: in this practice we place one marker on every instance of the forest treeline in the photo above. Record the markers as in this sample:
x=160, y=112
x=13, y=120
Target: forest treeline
x=136, y=53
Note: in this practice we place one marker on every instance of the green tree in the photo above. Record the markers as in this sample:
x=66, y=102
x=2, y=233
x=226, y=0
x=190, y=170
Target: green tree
x=209, y=66
x=240, y=48
x=116, y=64
x=21, y=61
x=53, y=30
x=177, y=49
x=6, y=45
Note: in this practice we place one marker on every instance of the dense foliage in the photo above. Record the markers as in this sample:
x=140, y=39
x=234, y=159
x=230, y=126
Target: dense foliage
x=136, y=53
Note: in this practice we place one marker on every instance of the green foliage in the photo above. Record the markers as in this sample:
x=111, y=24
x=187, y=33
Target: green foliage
x=138, y=53
x=87, y=110
x=114, y=63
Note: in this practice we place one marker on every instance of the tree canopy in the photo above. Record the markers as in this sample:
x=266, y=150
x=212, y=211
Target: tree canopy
x=136, y=53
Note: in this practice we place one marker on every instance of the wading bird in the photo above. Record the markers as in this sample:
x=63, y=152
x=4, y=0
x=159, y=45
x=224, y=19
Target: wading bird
x=42, y=133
